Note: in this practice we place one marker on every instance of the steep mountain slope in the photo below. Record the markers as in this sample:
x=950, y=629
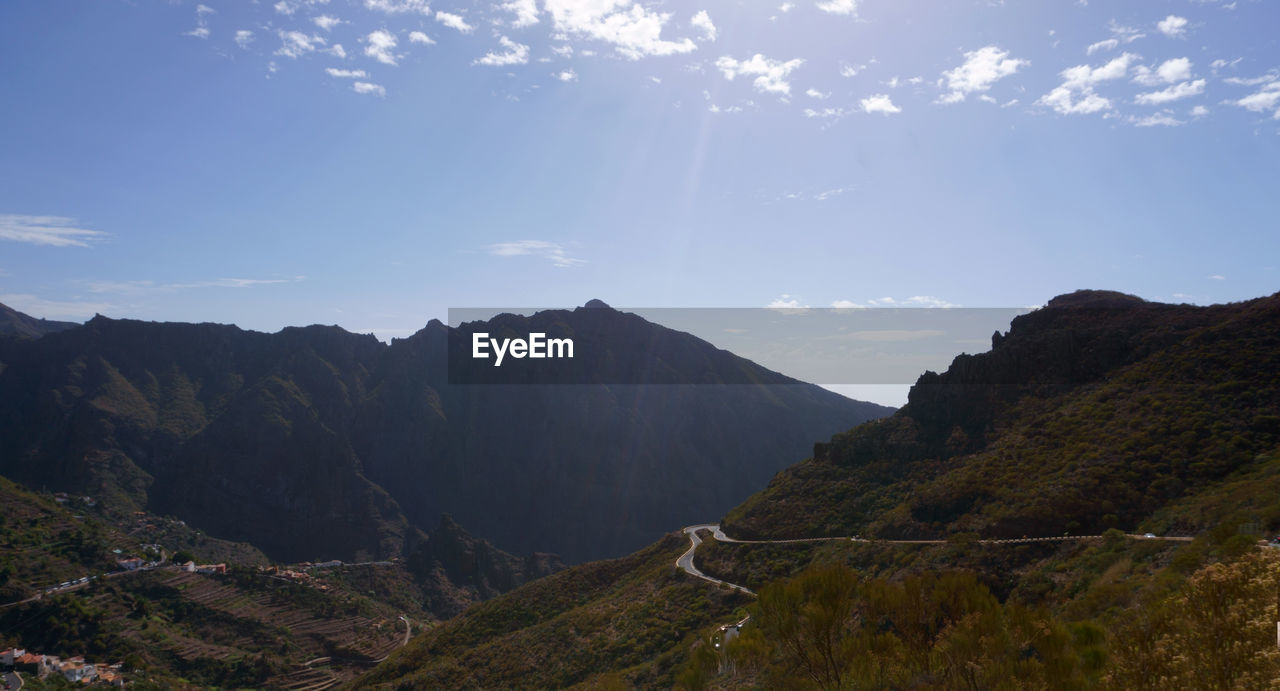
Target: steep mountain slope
x=15, y=323
x=1099, y=411
x=1092, y=413
x=315, y=443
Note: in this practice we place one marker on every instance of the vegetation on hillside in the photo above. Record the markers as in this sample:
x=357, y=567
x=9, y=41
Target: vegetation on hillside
x=629, y=621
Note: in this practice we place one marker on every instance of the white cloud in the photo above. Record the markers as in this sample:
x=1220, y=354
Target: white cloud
x=399, y=6
x=380, y=44
x=1163, y=119
x=981, y=69
x=1173, y=26
x=285, y=8
x=1108, y=44
x=526, y=12
x=879, y=103
x=295, y=44
x=326, y=22
x=551, y=251
x=1170, y=71
x=337, y=51
x=770, y=75
x=454, y=21
x=1062, y=100
x=1266, y=98
x=367, y=88
x=198, y=32
x=1076, y=95
x=845, y=7
x=419, y=37
x=634, y=30
x=1199, y=112
x=346, y=74
x=786, y=302
x=243, y=38
x=786, y=7
x=814, y=93
x=53, y=231
x=702, y=22
x=1174, y=93
x=1082, y=76
x=1217, y=277
x=567, y=76
x=515, y=54
x=53, y=309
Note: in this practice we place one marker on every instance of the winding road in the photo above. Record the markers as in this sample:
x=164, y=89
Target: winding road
x=685, y=562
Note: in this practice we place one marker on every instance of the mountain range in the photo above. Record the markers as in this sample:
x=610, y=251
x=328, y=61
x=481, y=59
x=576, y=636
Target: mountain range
x=316, y=443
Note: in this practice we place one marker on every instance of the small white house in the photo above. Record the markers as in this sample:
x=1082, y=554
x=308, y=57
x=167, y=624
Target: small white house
x=7, y=657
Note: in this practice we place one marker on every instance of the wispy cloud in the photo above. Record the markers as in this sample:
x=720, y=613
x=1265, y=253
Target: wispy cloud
x=56, y=231
x=515, y=54
x=346, y=74
x=369, y=88
x=913, y=301
x=399, y=6
x=54, y=309
x=551, y=251
x=147, y=287
x=454, y=21
x=202, y=22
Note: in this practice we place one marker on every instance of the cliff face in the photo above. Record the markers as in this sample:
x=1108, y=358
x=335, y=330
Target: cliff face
x=1094, y=412
x=318, y=443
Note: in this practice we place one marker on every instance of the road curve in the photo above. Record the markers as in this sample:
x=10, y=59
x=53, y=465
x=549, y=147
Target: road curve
x=685, y=562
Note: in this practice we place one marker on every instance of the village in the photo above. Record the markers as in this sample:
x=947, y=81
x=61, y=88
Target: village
x=17, y=661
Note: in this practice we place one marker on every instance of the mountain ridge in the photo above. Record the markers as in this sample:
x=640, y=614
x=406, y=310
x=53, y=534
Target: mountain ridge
x=332, y=444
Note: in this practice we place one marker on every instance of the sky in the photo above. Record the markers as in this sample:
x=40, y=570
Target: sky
x=373, y=163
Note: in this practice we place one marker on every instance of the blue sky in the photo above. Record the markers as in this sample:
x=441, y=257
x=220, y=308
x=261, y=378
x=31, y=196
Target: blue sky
x=371, y=163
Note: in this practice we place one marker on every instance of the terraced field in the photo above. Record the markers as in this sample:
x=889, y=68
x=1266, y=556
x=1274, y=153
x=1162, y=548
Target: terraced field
x=335, y=647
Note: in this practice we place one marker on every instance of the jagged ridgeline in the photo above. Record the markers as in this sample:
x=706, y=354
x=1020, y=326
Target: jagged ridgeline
x=318, y=443
x=1095, y=412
